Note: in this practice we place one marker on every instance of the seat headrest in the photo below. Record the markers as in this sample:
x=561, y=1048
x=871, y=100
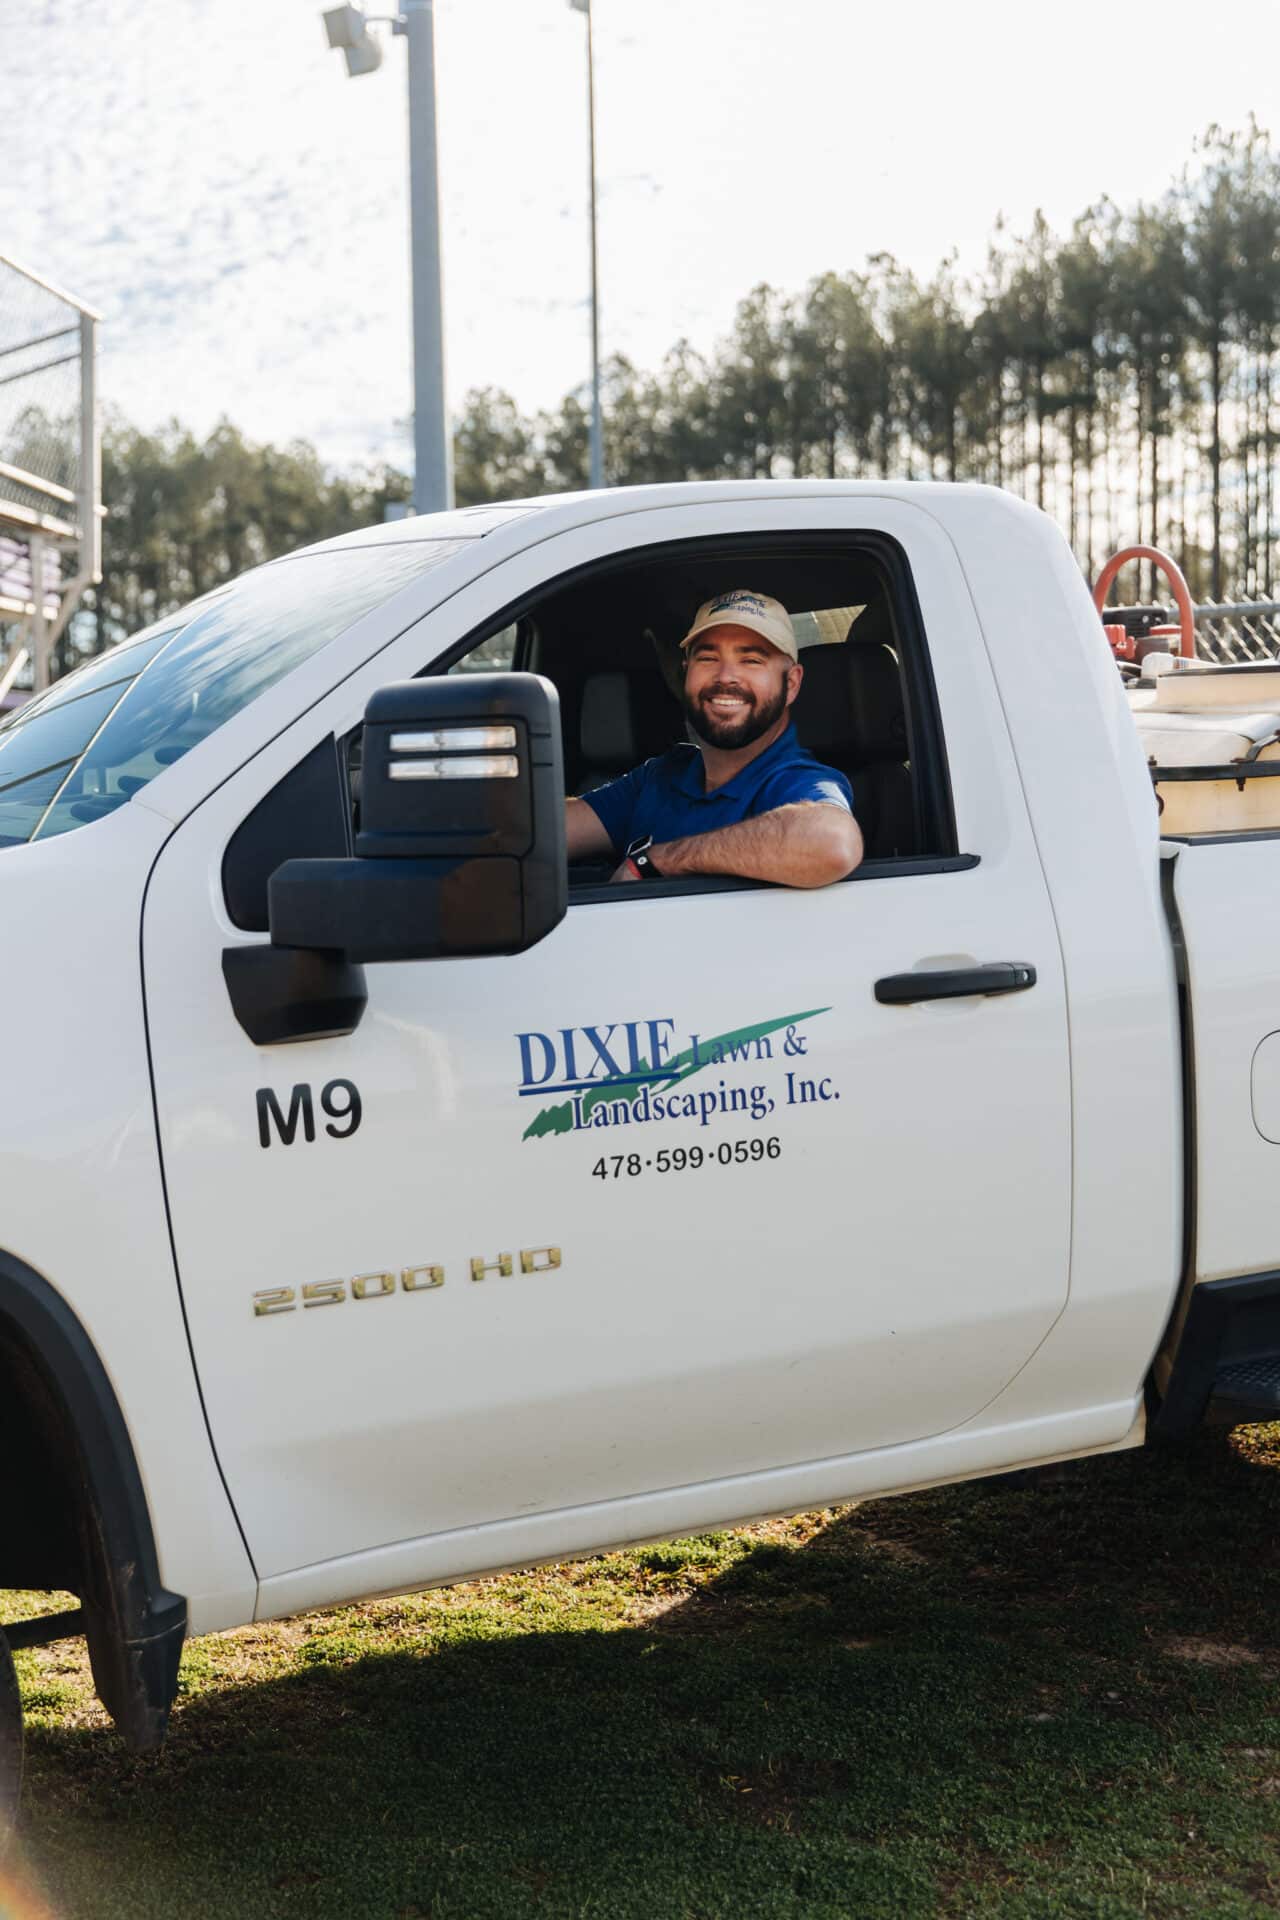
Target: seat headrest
x=823, y=710
x=879, y=715
x=606, y=726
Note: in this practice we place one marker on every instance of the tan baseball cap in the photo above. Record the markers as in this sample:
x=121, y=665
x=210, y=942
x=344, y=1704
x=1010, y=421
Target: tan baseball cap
x=742, y=608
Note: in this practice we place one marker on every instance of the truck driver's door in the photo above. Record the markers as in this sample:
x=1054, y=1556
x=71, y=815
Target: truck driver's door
x=438, y=1278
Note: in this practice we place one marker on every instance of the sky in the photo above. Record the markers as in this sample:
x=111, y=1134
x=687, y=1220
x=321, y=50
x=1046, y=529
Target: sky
x=204, y=173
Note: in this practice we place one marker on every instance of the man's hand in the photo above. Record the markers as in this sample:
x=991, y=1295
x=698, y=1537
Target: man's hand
x=807, y=844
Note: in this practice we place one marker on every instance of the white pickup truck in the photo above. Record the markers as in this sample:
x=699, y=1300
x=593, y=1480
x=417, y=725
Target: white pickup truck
x=384, y=1203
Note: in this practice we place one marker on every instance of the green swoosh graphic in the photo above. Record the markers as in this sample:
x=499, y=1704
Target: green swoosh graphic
x=559, y=1118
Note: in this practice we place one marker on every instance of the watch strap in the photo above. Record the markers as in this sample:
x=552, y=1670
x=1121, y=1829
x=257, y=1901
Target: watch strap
x=639, y=858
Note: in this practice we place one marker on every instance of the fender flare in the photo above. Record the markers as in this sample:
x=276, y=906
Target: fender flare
x=135, y=1626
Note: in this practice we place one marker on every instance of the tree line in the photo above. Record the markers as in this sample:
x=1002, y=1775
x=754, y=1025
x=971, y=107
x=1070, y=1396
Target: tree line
x=1123, y=377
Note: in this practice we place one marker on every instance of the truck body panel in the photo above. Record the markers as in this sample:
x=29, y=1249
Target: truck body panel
x=735, y=1324
x=1229, y=909
x=83, y=1196
x=373, y=1313
x=1096, y=828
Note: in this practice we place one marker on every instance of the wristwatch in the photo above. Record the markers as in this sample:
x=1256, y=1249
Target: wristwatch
x=639, y=857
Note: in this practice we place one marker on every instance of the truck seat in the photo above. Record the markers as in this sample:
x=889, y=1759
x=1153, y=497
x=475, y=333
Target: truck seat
x=624, y=718
x=823, y=709
x=850, y=713
x=883, y=788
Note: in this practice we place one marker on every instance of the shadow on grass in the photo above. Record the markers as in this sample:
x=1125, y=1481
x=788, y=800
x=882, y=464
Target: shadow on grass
x=1053, y=1698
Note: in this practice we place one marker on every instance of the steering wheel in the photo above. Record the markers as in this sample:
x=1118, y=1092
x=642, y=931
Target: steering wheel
x=1172, y=572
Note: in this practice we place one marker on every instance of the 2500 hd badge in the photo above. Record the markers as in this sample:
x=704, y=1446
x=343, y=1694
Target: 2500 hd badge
x=427, y=1278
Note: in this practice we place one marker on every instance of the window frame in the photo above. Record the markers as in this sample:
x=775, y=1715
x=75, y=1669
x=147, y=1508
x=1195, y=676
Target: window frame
x=926, y=745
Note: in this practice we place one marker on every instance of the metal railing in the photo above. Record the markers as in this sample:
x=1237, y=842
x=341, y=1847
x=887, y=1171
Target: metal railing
x=1238, y=630
x=50, y=466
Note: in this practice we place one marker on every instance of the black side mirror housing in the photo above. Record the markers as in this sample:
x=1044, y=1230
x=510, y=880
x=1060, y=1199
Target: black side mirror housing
x=461, y=843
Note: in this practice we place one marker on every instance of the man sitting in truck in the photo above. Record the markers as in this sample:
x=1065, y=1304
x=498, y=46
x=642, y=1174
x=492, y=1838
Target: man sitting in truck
x=744, y=797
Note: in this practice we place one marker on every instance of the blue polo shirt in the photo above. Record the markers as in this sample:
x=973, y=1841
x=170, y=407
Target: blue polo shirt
x=667, y=796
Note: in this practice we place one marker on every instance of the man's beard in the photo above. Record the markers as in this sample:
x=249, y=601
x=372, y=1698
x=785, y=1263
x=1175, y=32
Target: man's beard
x=728, y=735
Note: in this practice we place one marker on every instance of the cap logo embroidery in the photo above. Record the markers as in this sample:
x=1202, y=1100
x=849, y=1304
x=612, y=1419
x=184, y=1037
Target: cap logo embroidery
x=744, y=602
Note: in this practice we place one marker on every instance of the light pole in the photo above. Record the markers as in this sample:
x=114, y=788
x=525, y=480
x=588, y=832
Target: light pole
x=597, y=433
x=348, y=29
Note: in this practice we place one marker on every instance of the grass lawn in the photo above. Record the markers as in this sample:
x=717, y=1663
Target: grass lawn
x=1052, y=1698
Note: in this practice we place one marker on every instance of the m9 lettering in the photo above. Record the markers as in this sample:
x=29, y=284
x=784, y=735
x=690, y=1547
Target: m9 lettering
x=340, y=1102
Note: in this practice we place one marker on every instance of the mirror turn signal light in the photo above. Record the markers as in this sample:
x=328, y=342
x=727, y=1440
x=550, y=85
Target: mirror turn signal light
x=464, y=766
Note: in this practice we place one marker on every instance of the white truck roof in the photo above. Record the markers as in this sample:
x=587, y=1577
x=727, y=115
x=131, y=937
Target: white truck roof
x=469, y=523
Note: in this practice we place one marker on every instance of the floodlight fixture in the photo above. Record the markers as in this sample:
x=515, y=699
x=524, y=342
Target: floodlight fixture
x=348, y=31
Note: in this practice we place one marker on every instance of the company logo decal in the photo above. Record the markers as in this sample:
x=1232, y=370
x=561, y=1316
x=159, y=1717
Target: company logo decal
x=627, y=1075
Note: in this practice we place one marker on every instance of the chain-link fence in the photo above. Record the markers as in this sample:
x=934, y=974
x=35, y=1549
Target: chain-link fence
x=1240, y=630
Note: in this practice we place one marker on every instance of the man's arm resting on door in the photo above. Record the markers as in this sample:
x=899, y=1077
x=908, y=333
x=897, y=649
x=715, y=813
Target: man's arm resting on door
x=584, y=831
x=809, y=843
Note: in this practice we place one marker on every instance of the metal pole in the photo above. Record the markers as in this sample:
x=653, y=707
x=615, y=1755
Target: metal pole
x=90, y=556
x=432, y=451
x=597, y=430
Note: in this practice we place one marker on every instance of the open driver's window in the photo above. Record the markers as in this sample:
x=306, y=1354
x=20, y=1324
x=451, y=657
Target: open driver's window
x=610, y=642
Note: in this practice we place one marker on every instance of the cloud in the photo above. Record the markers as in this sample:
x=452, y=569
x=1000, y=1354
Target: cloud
x=203, y=172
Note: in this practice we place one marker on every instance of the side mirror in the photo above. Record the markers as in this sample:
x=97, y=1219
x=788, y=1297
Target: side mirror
x=460, y=850
x=461, y=846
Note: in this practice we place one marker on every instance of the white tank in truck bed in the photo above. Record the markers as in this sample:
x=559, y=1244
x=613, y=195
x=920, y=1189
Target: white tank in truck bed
x=1211, y=736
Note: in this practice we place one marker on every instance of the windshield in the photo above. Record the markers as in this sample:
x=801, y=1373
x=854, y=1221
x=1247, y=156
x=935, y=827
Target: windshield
x=97, y=737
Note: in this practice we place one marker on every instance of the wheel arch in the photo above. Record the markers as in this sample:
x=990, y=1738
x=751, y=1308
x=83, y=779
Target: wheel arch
x=76, y=1512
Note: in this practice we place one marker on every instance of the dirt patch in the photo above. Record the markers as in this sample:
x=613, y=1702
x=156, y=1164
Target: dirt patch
x=698, y=1611
x=1212, y=1653
x=764, y=1799
x=798, y=1529
x=775, y=1796
x=978, y=1870
x=896, y=1550
x=691, y=1613
x=653, y=1608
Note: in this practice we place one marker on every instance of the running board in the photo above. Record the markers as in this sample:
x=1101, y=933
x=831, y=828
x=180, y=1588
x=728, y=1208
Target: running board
x=1249, y=1384
x=1227, y=1366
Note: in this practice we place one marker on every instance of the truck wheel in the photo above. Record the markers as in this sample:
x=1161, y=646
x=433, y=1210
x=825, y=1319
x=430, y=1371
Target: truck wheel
x=10, y=1744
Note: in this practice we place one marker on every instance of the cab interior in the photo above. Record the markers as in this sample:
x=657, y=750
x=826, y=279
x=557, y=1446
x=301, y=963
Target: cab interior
x=610, y=643
x=609, y=637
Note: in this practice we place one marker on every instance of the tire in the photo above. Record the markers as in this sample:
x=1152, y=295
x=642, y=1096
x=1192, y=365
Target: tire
x=10, y=1744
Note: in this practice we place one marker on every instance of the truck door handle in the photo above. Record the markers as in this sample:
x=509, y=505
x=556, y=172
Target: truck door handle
x=954, y=983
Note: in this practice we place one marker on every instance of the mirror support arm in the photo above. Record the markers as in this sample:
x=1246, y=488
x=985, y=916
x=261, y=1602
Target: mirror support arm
x=284, y=994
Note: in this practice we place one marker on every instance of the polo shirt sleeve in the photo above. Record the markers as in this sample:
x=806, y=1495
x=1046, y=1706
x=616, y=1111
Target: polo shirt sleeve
x=615, y=804
x=815, y=782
